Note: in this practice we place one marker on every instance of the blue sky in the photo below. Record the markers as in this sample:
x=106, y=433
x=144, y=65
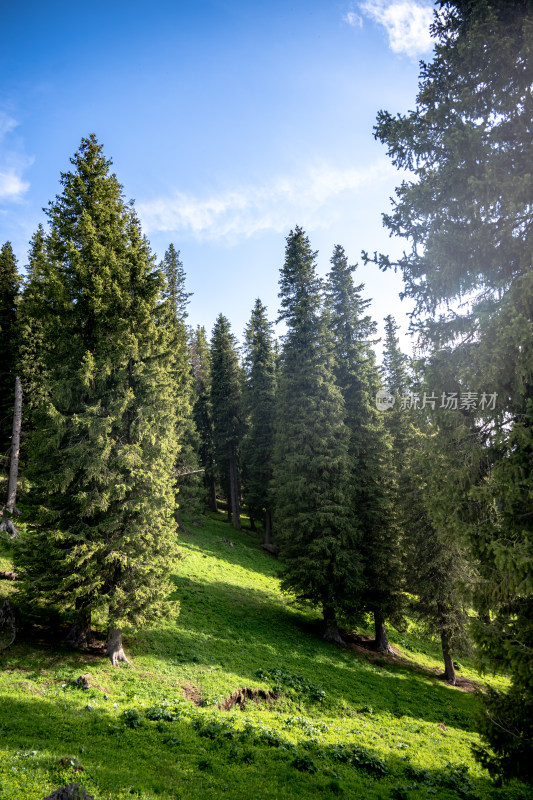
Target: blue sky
x=228, y=122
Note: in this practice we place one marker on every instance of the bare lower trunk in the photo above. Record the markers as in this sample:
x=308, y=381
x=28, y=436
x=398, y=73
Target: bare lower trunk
x=212, y=494
x=179, y=520
x=381, y=639
x=15, y=448
x=449, y=669
x=8, y=620
x=7, y=526
x=331, y=630
x=268, y=528
x=234, y=490
x=114, y=646
x=252, y=524
x=80, y=634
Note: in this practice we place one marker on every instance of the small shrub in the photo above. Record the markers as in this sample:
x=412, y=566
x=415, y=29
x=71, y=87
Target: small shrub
x=357, y=756
x=132, y=718
x=286, y=680
x=216, y=730
x=304, y=763
x=158, y=713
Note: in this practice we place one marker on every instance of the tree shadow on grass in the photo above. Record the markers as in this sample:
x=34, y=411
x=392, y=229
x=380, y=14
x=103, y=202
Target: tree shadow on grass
x=237, y=630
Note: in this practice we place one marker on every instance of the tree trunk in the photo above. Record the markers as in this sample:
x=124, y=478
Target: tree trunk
x=449, y=669
x=7, y=526
x=213, y=494
x=15, y=448
x=80, y=633
x=268, y=528
x=234, y=490
x=8, y=620
x=179, y=521
x=331, y=630
x=114, y=646
x=252, y=524
x=381, y=639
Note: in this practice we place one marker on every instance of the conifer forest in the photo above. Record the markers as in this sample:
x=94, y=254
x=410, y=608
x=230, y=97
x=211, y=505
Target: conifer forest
x=251, y=564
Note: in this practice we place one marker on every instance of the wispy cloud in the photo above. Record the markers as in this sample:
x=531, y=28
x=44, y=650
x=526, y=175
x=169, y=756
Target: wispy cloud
x=406, y=22
x=353, y=19
x=313, y=200
x=12, y=162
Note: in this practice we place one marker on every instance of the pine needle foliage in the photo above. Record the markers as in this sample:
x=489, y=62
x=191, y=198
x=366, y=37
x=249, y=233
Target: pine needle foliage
x=102, y=453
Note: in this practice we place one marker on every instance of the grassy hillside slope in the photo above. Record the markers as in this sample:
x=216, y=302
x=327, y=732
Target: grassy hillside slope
x=330, y=722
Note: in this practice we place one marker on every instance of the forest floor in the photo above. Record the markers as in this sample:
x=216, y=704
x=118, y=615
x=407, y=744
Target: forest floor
x=238, y=697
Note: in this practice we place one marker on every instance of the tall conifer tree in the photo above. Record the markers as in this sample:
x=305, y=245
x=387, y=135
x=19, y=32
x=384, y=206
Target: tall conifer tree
x=318, y=538
x=436, y=567
x=103, y=451
x=260, y=395
x=228, y=414
x=9, y=285
x=467, y=214
x=203, y=412
x=188, y=480
x=31, y=326
x=373, y=479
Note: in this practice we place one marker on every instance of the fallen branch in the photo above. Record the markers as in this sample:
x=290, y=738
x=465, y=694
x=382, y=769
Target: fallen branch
x=190, y=472
x=8, y=576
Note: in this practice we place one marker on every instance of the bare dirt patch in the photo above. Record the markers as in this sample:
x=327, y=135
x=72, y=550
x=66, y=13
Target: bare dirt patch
x=465, y=684
x=192, y=693
x=242, y=696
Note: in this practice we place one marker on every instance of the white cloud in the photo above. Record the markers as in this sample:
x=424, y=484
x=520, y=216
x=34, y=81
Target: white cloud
x=12, y=163
x=7, y=124
x=313, y=200
x=406, y=22
x=11, y=185
x=353, y=19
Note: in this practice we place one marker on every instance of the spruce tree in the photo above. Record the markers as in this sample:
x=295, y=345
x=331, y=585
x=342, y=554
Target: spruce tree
x=102, y=454
x=394, y=367
x=203, y=412
x=260, y=395
x=9, y=286
x=31, y=326
x=228, y=413
x=175, y=292
x=373, y=478
x=435, y=563
x=188, y=479
x=467, y=214
x=319, y=539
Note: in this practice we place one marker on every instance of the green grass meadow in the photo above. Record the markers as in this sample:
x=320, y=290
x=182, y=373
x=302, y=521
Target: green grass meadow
x=332, y=722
